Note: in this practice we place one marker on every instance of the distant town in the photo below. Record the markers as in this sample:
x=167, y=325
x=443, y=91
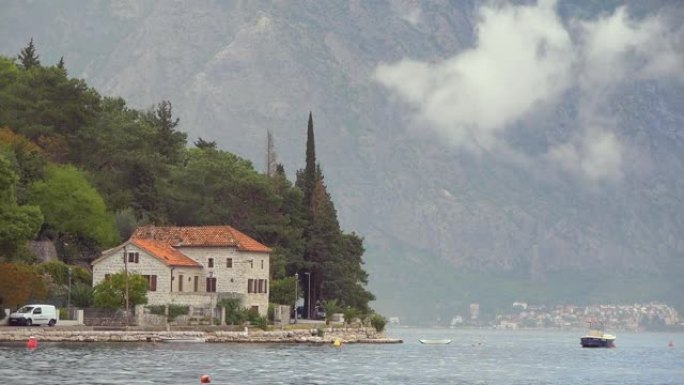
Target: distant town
x=632, y=317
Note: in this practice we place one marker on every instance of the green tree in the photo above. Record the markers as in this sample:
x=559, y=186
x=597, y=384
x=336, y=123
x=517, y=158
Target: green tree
x=26, y=158
x=28, y=57
x=332, y=257
x=59, y=272
x=18, y=224
x=111, y=293
x=119, y=152
x=169, y=142
x=282, y=291
x=49, y=109
x=73, y=207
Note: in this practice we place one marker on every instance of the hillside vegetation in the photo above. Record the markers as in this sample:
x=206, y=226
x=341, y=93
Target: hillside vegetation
x=82, y=171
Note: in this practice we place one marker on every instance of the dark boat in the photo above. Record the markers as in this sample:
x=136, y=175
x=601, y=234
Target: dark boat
x=596, y=337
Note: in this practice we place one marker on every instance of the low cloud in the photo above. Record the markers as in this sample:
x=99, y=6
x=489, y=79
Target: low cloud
x=525, y=60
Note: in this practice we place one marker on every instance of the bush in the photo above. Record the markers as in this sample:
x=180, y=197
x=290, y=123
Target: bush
x=350, y=314
x=378, y=322
x=81, y=295
x=235, y=315
x=157, y=309
x=261, y=322
x=176, y=310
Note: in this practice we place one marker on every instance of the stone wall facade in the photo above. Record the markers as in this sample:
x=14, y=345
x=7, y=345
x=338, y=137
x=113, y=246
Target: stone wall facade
x=234, y=271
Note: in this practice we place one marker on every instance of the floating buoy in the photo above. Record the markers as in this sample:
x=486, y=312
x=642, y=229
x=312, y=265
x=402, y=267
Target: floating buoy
x=337, y=343
x=204, y=379
x=670, y=344
x=32, y=343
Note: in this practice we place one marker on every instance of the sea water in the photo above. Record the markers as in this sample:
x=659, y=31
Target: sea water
x=475, y=356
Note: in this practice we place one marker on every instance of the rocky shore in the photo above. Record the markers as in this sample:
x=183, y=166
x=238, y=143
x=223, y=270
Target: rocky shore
x=317, y=335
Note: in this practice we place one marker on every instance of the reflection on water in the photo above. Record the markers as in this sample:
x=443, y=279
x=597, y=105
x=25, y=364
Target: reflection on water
x=474, y=357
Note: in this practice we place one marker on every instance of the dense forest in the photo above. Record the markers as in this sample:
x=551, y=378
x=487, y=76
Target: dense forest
x=82, y=171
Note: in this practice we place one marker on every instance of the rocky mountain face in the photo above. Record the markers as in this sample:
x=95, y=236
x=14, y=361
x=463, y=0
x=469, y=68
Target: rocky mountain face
x=475, y=171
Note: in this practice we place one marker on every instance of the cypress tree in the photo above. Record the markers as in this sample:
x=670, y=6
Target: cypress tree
x=28, y=57
x=332, y=258
x=310, y=169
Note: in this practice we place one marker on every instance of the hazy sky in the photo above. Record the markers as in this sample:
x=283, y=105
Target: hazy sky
x=524, y=60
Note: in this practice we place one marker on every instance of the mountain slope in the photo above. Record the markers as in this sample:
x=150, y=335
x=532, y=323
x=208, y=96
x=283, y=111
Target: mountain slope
x=487, y=226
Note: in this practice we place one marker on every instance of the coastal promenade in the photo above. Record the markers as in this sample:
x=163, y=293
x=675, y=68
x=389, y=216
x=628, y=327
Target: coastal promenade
x=318, y=335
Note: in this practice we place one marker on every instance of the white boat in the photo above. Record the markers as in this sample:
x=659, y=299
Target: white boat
x=435, y=342
x=188, y=339
x=596, y=337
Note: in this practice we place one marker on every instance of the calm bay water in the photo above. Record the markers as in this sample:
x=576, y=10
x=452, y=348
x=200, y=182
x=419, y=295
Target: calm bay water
x=475, y=357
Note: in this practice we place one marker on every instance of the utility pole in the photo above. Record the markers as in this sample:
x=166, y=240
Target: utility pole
x=308, y=296
x=69, y=293
x=126, y=275
x=295, y=301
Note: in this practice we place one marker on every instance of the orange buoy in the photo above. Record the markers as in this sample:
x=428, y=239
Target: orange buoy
x=32, y=342
x=204, y=379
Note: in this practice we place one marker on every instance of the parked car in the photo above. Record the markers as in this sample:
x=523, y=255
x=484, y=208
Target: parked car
x=318, y=313
x=34, y=315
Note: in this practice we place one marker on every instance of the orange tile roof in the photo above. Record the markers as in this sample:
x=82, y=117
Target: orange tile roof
x=207, y=236
x=165, y=253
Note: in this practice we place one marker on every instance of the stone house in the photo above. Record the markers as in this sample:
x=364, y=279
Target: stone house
x=196, y=266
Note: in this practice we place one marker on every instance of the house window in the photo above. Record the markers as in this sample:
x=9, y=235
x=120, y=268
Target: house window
x=196, y=284
x=262, y=264
x=211, y=285
x=257, y=286
x=229, y=263
x=133, y=257
x=180, y=283
x=211, y=262
x=107, y=276
x=151, y=282
x=251, y=263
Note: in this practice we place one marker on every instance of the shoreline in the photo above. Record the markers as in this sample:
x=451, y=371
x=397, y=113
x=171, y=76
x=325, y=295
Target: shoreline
x=326, y=335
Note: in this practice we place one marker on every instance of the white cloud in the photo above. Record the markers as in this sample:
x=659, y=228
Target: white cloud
x=596, y=154
x=525, y=58
x=522, y=58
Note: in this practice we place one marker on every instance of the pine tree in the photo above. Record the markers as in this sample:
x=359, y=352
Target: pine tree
x=169, y=141
x=28, y=57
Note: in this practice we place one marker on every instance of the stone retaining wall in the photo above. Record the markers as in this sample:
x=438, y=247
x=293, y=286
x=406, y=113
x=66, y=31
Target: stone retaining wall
x=248, y=335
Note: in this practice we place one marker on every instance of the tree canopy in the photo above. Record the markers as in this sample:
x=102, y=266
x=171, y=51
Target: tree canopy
x=72, y=206
x=111, y=293
x=83, y=170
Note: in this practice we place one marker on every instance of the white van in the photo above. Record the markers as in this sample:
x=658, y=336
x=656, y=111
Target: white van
x=34, y=315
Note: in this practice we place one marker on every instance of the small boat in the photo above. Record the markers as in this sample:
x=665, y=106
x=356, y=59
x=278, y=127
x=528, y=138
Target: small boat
x=435, y=342
x=182, y=339
x=596, y=337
